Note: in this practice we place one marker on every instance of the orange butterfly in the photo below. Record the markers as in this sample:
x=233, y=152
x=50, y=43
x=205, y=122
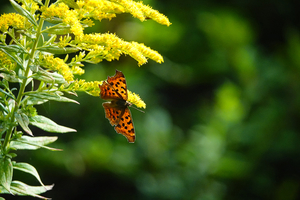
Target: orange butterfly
x=117, y=111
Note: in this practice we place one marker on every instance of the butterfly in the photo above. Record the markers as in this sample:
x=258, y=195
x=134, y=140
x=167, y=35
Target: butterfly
x=117, y=111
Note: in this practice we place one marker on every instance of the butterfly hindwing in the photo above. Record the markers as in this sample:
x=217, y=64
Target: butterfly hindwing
x=112, y=114
x=125, y=126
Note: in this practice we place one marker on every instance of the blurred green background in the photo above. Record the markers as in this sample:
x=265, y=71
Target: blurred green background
x=222, y=117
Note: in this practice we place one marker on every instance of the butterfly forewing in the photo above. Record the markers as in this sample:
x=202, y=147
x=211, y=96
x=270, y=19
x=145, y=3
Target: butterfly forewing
x=125, y=126
x=118, y=82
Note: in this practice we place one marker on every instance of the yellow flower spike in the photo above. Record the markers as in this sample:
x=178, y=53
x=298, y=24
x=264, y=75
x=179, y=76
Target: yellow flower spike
x=147, y=52
x=11, y=19
x=153, y=14
x=77, y=70
x=81, y=85
x=136, y=100
x=6, y=62
x=57, y=64
x=68, y=16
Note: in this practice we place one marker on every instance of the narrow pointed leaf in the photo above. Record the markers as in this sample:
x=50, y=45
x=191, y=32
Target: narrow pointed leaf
x=10, y=78
x=6, y=173
x=35, y=101
x=51, y=96
x=32, y=143
x=23, y=12
x=6, y=93
x=25, y=167
x=59, y=50
x=22, y=189
x=13, y=48
x=23, y=122
x=48, y=125
x=59, y=29
x=49, y=77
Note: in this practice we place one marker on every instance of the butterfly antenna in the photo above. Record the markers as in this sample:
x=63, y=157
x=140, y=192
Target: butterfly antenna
x=138, y=109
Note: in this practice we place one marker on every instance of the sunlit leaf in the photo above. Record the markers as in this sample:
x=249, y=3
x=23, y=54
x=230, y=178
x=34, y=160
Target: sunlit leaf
x=59, y=50
x=51, y=96
x=13, y=48
x=23, y=122
x=32, y=143
x=48, y=125
x=36, y=101
x=10, y=78
x=49, y=77
x=6, y=173
x=22, y=189
x=59, y=29
x=25, y=167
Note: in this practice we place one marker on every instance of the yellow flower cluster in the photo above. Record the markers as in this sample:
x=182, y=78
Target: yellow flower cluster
x=136, y=100
x=141, y=11
x=11, y=19
x=57, y=64
x=98, y=9
x=6, y=62
x=111, y=47
x=91, y=88
x=77, y=70
x=68, y=17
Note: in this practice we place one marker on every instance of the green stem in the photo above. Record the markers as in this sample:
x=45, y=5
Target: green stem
x=23, y=85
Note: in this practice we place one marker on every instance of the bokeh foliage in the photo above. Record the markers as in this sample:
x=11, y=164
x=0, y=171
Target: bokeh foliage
x=222, y=111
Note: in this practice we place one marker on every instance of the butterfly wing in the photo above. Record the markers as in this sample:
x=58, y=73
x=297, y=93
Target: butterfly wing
x=118, y=82
x=113, y=114
x=125, y=126
x=108, y=92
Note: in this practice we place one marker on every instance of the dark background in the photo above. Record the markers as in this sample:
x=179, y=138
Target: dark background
x=222, y=117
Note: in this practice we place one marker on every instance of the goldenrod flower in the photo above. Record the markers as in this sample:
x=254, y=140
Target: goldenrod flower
x=11, y=19
x=81, y=85
x=6, y=62
x=68, y=17
x=136, y=100
x=57, y=64
x=149, y=53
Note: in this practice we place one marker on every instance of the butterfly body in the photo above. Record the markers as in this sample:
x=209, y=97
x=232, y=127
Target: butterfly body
x=117, y=111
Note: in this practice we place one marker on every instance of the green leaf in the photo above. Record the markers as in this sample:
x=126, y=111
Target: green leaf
x=25, y=167
x=10, y=78
x=35, y=101
x=23, y=12
x=6, y=93
x=59, y=50
x=3, y=108
x=33, y=143
x=49, y=125
x=59, y=29
x=13, y=48
x=51, y=96
x=23, y=122
x=22, y=189
x=6, y=173
x=1, y=198
x=49, y=77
